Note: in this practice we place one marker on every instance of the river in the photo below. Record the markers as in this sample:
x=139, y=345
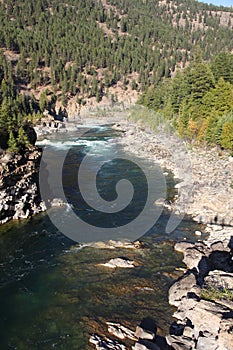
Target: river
x=53, y=293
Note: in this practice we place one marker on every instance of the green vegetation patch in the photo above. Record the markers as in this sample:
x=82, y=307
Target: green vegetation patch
x=215, y=293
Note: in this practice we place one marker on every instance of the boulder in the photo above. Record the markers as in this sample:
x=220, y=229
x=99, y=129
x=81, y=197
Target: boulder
x=180, y=342
x=209, y=342
x=145, y=345
x=225, y=336
x=198, y=233
x=147, y=329
x=192, y=257
x=105, y=343
x=120, y=331
x=205, y=316
x=144, y=334
x=220, y=279
x=220, y=245
x=188, y=332
x=195, y=255
x=57, y=202
x=182, y=246
x=180, y=289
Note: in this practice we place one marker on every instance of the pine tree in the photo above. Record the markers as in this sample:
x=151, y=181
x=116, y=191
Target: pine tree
x=22, y=139
x=226, y=139
x=219, y=99
x=179, y=91
x=200, y=80
x=12, y=143
x=222, y=67
x=43, y=102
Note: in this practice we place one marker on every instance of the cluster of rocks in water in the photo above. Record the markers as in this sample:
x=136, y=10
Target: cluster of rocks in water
x=143, y=338
x=19, y=185
x=203, y=297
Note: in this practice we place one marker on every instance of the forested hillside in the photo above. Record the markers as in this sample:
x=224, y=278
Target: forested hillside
x=53, y=51
x=199, y=100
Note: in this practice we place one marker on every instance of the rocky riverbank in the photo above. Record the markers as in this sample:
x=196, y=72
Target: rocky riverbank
x=205, y=176
x=19, y=185
x=204, y=295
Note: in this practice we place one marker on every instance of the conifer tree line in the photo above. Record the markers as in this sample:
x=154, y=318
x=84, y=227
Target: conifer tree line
x=16, y=110
x=63, y=43
x=81, y=48
x=199, y=100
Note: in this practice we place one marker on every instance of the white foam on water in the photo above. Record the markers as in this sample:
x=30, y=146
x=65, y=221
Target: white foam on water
x=71, y=143
x=92, y=126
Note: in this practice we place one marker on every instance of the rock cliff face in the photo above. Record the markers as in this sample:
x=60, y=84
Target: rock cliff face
x=19, y=185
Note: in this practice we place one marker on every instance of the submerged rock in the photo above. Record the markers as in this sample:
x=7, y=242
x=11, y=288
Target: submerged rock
x=119, y=262
x=57, y=202
x=111, y=244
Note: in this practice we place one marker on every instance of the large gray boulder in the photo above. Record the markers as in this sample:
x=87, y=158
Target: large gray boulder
x=181, y=288
x=220, y=279
x=145, y=345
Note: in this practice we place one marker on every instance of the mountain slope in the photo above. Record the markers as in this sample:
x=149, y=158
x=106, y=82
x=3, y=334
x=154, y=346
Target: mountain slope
x=87, y=49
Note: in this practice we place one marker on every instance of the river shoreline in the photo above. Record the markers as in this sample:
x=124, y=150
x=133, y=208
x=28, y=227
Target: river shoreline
x=205, y=192
x=204, y=176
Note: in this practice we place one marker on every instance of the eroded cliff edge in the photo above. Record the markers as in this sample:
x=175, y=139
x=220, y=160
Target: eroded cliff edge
x=19, y=184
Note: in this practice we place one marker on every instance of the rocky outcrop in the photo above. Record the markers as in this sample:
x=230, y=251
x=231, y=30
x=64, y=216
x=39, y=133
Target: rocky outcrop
x=19, y=187
x=49, y=126
x=143, y=338
x=205, y=321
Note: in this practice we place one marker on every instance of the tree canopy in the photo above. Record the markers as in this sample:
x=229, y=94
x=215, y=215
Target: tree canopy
x=199, y=100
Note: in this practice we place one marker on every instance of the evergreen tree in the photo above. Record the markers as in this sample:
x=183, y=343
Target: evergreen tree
x=219, y=99
x=226, y=139
x=43, y=102
x=12, y=143
x=222, y=67
x=200, y=80
x=22, y=139
x=179, y=91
